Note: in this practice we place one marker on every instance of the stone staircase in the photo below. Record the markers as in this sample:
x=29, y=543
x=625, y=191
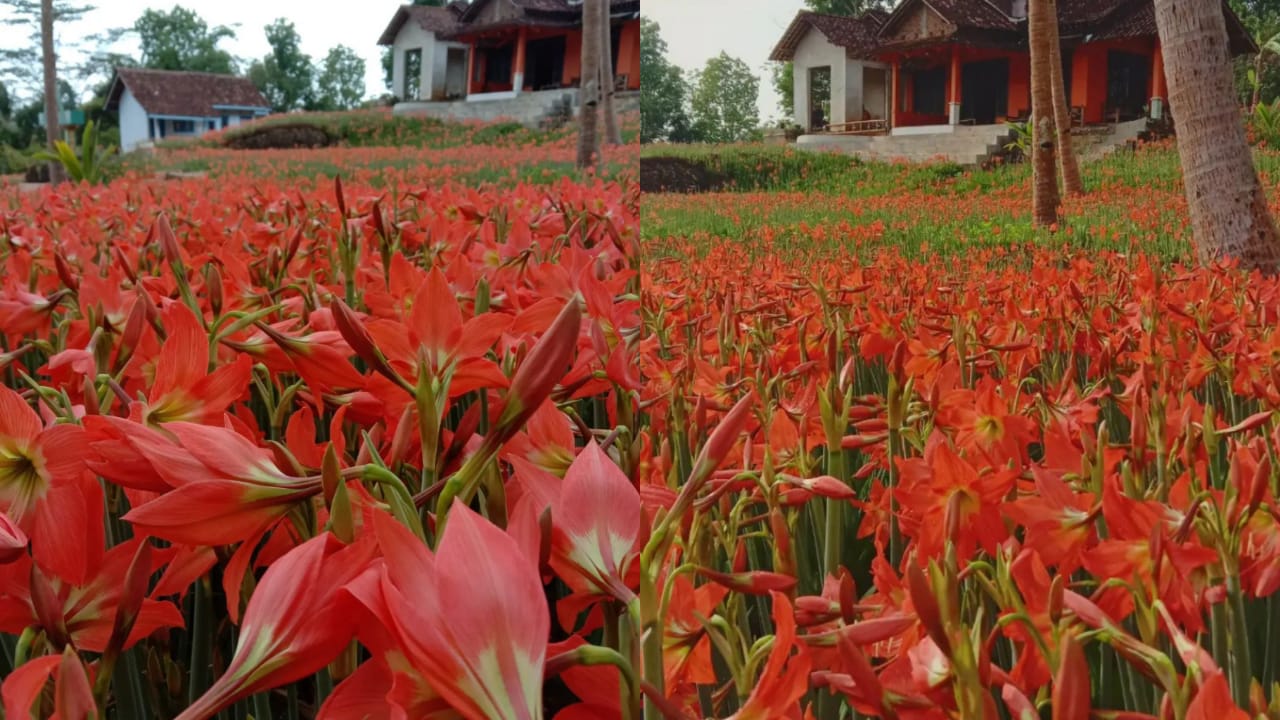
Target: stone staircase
x=965, y=144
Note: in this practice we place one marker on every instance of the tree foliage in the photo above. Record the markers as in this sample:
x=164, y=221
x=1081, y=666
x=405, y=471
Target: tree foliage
x=662, y=89
x=20, y=60
x=179, y=39
x=340, y=80
x=723, y=101
x=285, y=75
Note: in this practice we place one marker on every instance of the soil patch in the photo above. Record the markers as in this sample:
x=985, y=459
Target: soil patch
x=283, y=136
x=678, y=175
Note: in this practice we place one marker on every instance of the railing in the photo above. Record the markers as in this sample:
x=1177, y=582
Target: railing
x=858, y=127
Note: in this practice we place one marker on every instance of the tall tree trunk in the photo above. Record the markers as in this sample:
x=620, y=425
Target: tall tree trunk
x=612, y=135
x=51, y=129
x=1067, y=162
x=1229, y=214
x=1044, y=195
x=588, y=114
x=1257, y=79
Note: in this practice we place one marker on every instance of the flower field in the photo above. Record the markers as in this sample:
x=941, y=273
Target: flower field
x=452, y=431
x=971, y=470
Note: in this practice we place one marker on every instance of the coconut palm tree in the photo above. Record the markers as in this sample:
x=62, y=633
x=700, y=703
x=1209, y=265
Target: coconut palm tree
x=51, y=129
x=589, y=116
x=1229, y=214
x=1044, y=196
x=612, y=134
x=1067, y=163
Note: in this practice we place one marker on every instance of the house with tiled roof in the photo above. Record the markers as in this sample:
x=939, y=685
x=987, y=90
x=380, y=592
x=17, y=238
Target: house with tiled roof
x=155, y=104
x=965, y=62
x=424, y=65
x=500, y=49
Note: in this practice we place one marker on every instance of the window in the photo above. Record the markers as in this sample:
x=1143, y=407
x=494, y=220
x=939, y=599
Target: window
x=412, y=73
x=930, y=90
x=183, y=126
x=498, y=65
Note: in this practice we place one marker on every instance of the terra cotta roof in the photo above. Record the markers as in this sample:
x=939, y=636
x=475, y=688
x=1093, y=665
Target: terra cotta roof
x=189, y=94
x=857, y=35
x=439, y=20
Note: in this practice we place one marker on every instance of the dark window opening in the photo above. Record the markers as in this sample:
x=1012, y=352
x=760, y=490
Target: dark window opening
x=412, y=73
x=984, y=91
x=498, y=65
x=544, y=63
x=930, y=90
x=184, y=126
x=1128, y=77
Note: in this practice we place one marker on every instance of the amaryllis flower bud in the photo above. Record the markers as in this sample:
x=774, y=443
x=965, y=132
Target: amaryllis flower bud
x=361, y=342
x=756, y=582
x=542, y=368
x=926, y=605
x=13, y=542
x=721, y=440
x=168, y=242
x=65, y=273
x=1071, y=683
x=213, y=288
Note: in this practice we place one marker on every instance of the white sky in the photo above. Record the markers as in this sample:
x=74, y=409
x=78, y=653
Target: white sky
x=321, y=24
x=697, y=30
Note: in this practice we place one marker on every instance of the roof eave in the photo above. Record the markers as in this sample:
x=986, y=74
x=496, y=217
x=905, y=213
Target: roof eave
x=388, y=36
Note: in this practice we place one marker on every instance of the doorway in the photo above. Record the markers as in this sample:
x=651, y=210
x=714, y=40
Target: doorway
x=545, y=63
x=984, y=91
x=819, y=110
x=1128, y=76
x=455, y=74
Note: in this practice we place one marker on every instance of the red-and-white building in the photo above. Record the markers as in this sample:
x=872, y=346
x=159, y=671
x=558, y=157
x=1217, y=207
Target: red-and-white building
x=932, y=64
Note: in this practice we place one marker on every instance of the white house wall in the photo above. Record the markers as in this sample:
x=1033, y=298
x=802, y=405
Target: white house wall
x=814, y=51
x=133, y=122
x=412, y=36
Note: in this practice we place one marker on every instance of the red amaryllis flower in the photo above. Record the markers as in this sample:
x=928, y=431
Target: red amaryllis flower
x=225, y=488
x=184, y=389
x=13, y=542
x=82, y=614
x=596, y=522
x=470, y=621
x=72, y=693
x=43, y=487
x=785, y=677
x=295, y=623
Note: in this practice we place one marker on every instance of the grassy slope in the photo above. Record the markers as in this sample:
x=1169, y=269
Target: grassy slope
x=807, y=201
x=373, y=140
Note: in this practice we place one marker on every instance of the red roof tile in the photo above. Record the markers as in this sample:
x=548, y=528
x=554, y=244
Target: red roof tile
x=190, y=94
x=857, y=35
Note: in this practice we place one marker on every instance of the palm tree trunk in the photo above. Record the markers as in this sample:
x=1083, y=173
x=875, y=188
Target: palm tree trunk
x=51, y=129
x=611, y=133
x=1257, y=79
x=588, y=115
x=1067, y=161
x=1229, y=214
x=1044, y=194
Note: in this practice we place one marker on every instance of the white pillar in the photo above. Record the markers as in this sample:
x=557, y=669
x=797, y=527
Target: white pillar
x=800, y=94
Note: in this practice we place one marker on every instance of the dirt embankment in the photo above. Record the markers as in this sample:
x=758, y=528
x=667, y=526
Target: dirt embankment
x=678, y=175
x=279, y=136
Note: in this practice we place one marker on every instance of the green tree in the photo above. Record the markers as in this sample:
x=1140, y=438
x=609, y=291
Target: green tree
x=284, y=75
x=21, y=61
x=723, y=101
x=180, y=39
x=662, y=88
x=340, y=80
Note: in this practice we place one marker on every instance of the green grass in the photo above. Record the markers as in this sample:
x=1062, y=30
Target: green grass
x=783, y=200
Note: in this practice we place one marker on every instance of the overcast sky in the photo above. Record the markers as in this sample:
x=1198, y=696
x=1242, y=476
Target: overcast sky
x=696, y=30
x=321, y=24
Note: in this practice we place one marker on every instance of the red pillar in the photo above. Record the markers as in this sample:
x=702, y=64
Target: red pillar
x=1158, y=91
x=893, y=93
x=471, y=66
x=953, y=98
x=517, y=79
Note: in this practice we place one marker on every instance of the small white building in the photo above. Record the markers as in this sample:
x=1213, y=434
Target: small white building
x=155, y=104
x=423, y=66
x=834, y=81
